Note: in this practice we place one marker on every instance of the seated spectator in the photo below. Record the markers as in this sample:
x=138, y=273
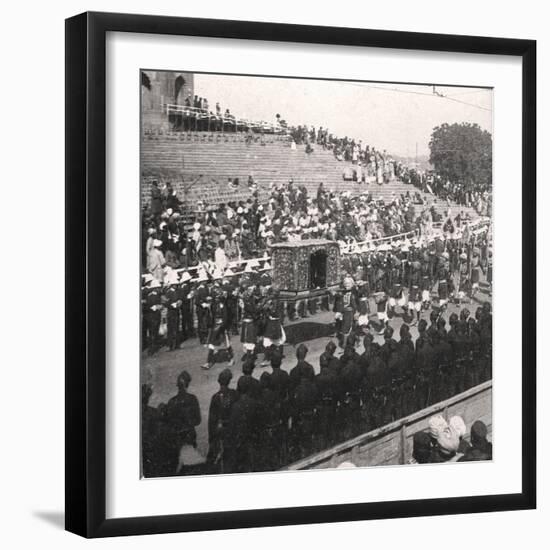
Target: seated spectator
x=422, y=448
x=457, y=424
x=444, y=440
x=481, y=448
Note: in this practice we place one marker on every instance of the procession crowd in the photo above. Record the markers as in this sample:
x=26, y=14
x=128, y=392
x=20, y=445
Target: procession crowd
x=246, y=229
x=212, y=280
x=266, y=423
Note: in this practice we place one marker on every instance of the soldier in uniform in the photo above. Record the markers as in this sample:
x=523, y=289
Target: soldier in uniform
x=351, y=378
x=461, y=358
x=245, y=423
x=328, y=386
x=377, y=408
x=397, y=297
x=473, y=367
x=147, y=279
x=408, y=373
x=172, y=299
x=426, y=281
x=381, y=300
x=415, y=293
x=303, y=406
x=443, y=364
x=363, y=322
x=345, y=306
x=249, y=329
x=475, y=272
x=154, y=307
x=231, y=292
x=186, y=308
x=182, y=416
x=203, y=305
x=443, y=281
x=328, y=354
x=301, y=367
x=219, y=342
x=269, y=455
x=424, y=366
x=219, y=413
x=150, y=421
x=274, y=333
x=279, y=383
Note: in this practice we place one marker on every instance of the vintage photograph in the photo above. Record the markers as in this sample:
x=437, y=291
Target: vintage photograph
x=316, y=273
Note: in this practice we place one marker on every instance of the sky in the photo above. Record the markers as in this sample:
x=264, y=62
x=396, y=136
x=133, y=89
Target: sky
x=395, y=117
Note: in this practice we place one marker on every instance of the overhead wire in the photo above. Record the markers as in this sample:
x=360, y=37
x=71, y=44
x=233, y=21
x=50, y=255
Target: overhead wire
x=434, y=93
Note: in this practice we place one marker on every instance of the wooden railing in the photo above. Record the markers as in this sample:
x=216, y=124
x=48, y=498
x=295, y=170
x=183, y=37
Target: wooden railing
x=231, y=120
x=392, y=443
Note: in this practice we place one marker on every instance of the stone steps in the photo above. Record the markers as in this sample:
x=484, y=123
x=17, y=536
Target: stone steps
x=171, y=158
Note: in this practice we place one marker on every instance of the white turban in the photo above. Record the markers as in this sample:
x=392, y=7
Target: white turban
x=437, y=424
x=458, y=425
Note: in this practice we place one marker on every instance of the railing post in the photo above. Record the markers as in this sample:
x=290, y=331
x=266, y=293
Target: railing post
x=402, y=446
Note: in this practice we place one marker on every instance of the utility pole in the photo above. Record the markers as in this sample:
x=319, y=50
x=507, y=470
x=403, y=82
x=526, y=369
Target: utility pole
x=416, y=155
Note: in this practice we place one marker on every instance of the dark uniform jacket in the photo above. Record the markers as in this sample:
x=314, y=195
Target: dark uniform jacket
x=182, y=415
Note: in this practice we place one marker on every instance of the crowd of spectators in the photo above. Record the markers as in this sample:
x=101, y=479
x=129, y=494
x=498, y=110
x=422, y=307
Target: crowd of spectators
x=446, y=442
x=471, y=195
x=196, y=114
x=245, y=229
x=368, y=162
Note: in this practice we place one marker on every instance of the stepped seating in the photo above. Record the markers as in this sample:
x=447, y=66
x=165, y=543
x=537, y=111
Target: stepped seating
x=181, y=157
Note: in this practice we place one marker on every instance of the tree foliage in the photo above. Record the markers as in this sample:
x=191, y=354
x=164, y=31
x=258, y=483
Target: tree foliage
x=462, y=153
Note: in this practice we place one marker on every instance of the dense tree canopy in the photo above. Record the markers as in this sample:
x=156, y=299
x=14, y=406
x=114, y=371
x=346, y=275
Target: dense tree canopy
x=462, y=153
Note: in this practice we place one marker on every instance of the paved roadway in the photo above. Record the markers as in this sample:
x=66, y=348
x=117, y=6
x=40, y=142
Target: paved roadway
x=162, y=369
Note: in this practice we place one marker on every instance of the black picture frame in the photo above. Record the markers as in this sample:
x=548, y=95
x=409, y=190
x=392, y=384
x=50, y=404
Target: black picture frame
x=86, y=276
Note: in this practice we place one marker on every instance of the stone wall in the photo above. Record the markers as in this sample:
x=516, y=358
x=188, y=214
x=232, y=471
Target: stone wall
x=163, y=87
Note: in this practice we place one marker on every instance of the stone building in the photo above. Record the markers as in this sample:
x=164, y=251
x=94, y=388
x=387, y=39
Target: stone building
x=160, y=88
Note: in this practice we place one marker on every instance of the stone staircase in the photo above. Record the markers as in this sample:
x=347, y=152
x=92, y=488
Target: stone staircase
x=181, y=157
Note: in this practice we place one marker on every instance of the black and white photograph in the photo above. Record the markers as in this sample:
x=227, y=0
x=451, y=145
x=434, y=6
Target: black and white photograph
x=316, y=273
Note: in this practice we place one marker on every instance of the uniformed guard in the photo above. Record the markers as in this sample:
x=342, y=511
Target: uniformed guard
x=182, y=416
x=351, y=378
x=327, y=385
x=397, y=296
x=154, y=307
x=424, y=366
x=186, y=308
x=145, y=338
x=408, y=372
x=301, y=367
x=377, y=408
x=203, y=305
x=172, y=298
x=363, y=322
x=219, y=341
x=280, y=384
x=303, y=406
x=345, y=306
x=473, y=366
x=415, y=293
x=328, y=354
x=443, y=281
x=274, y=334
x=245, y=424
x=426, y=280
x=269, y=455
x=381, y=297
x=249, y=325
x=219, y=413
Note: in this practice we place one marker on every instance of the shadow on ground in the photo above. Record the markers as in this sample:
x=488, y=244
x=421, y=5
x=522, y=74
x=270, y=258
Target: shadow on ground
x=57, y=519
